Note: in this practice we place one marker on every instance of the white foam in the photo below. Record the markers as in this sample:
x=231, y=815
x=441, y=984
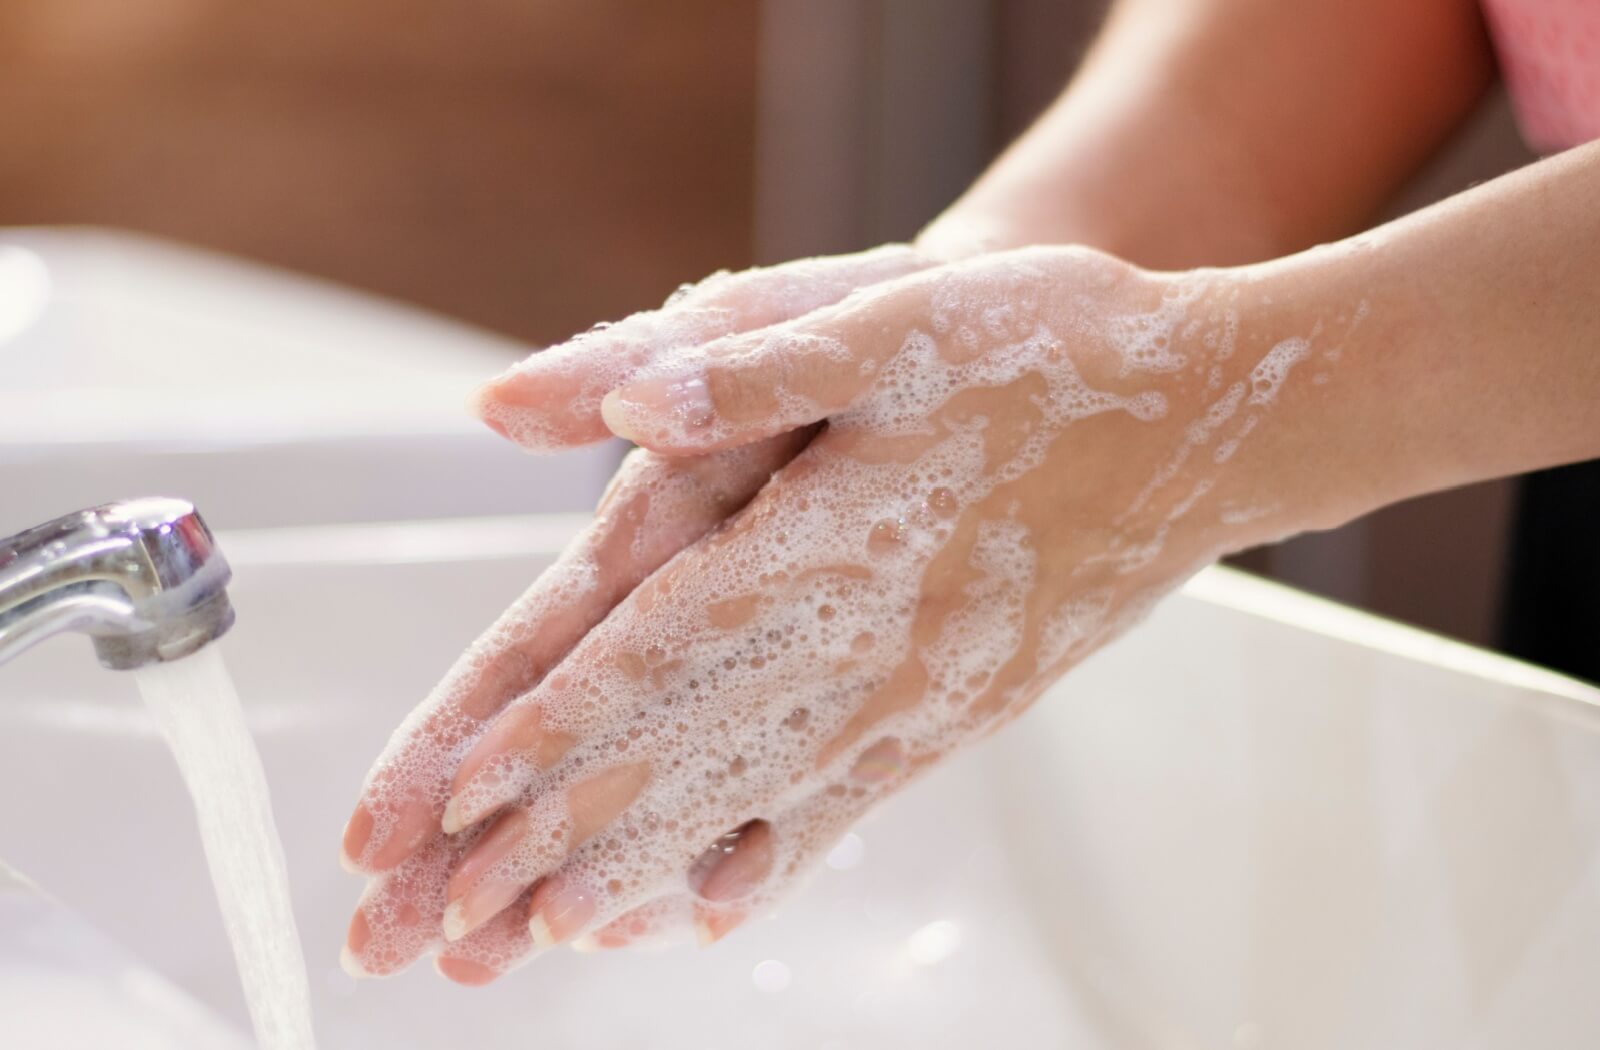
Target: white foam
x=1068, y=630
x=1269, y=373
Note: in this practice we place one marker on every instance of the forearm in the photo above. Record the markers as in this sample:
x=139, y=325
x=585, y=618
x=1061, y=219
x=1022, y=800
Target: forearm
x=1217, y=132
x=1479, y=354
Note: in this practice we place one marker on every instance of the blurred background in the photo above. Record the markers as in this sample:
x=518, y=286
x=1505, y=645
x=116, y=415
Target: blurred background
x=532, y=166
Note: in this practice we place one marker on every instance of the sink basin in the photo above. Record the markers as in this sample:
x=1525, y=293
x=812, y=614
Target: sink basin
x=1259, y=821
x=53, y=965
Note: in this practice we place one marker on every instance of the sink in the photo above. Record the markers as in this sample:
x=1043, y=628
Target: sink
x=1261, y=820
x=53, y=964
x=135, y=366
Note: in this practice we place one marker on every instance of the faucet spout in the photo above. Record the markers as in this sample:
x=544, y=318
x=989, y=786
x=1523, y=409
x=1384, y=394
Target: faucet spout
x=143, y=578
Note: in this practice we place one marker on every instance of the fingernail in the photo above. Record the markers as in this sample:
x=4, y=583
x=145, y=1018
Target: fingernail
x=710, y=927
x=357, y=832
x=464, y=810
x=483, y=393
x=514, y=386
x=880, y=763
x=360, y=932
x=559, y=909
x=516, y=736
x=453, y=821
x=480, y=904
x=499, y=407
x=539, y=930
x=479, y=407
x=587, y=945
x=356, y=939
x=350, y=964
x=639, y=409
x=476, y=896
x=541, y=405
x=464, y=971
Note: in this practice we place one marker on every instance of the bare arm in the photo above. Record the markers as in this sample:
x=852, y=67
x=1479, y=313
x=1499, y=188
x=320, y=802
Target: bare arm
x=1215, y=132
x=1481, y=353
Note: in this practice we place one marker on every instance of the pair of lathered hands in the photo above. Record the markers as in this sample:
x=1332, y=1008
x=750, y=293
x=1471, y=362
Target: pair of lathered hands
x=885, y=499
x=881, y=502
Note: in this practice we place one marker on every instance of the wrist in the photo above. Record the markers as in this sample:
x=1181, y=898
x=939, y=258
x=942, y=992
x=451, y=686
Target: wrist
x=1344, y=436
x=1267, y=412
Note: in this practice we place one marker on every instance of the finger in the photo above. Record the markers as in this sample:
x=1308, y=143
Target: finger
x=793, y=848
x=552, y=400
x=751, y=386
x=730, y=880
x=739, y=877
x=654, y=508
x=684, y=499
x=735, y=865
x=494, y=949
x=561, y=907
x=657, y=924
x=726, y=877
x=529, y=842
x=712, y=922
x=701, y=672
x=399, y=917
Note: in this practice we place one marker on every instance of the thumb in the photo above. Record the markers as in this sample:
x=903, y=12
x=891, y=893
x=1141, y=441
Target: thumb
x=552, y=400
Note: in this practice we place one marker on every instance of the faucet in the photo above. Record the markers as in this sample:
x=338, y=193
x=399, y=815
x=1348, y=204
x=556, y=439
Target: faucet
x=143, y=578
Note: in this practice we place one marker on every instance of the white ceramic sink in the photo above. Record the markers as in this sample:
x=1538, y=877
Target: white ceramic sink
x=66, y=986
x=132, y=367
x=1260, y=821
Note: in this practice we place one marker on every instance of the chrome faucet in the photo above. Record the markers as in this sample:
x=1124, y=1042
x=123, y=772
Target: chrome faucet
x=143, y=578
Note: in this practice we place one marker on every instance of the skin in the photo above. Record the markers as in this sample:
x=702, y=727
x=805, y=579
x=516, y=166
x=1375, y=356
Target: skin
x=1219, y=132
x=1449, y=347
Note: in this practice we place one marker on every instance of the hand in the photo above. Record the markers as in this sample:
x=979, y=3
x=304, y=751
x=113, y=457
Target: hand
x=552, y=400
x=1024, y=452
x=653, y=508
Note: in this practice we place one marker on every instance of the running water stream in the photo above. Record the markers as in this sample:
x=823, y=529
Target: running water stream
x=194, y=702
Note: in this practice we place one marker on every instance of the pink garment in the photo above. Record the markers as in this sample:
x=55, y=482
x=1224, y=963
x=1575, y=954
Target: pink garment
x=1550, y=55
